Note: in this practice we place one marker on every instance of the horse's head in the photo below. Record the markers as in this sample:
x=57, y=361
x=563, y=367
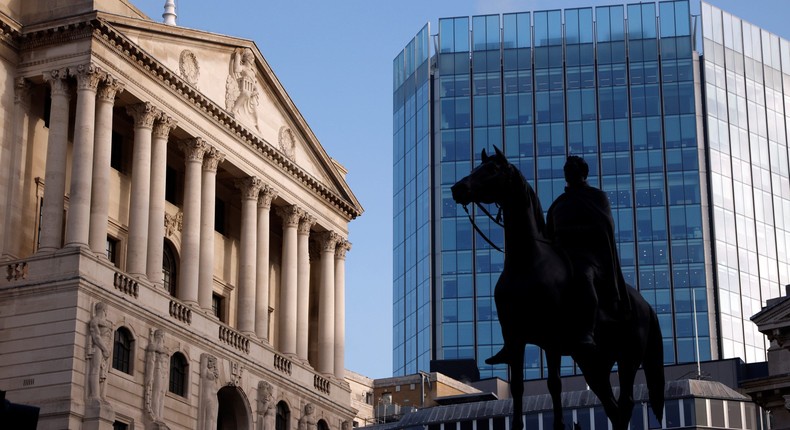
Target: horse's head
x=486, y=183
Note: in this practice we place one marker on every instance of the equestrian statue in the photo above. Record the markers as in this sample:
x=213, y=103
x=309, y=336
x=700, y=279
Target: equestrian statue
x=562, y=289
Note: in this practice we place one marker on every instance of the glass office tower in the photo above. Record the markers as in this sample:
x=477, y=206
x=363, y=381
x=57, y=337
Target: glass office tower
x=691, y=149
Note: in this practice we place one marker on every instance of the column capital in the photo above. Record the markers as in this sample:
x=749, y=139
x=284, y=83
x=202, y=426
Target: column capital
x=250, y=187
x=306, y=222
x=22, y=89
x=328, y=241
x=194, y=148
x=109, y=88
x=265, y=198
x=212, y=159
x=144, y=114
x=58, y=82
x=163, y=125
x=343, y=246
x=290, y=215
x=88, y=76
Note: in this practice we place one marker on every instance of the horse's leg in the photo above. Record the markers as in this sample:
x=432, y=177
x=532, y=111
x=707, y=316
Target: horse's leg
x=516, y=365
x=596, y=372
x=626, y=371
x=553, y=360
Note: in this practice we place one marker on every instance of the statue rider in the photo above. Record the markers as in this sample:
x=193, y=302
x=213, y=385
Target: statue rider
x=580, y=222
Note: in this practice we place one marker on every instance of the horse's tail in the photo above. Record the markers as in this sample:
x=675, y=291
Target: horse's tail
x=653, y=366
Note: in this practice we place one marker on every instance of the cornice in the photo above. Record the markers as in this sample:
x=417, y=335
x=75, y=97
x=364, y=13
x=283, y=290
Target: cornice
x=10, y=30
x=104, y=31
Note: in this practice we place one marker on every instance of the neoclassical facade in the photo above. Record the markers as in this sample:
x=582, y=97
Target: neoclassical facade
x=172, y=233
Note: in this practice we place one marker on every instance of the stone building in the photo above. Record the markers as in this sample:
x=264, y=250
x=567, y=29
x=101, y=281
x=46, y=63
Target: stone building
x=173, y=234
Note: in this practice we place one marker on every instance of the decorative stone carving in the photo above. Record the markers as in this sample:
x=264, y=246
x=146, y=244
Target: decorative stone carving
x=345, y=425
x=343, y=246
x=236, y=371
x=144, y=114
x=306, y=223
x=98, y=352
x=109, y=88
x=308, y=421
x=209, y=404
x=157, y=369
x=173, y=223
x=163, y=125
x=211, y=159
x=241, y=91
x=188, y=67
x=194, y=148
x=265, y=198
x=16, y=271
x=58, y=82
x=250, y=187
x=328, y=241
x=88, y=76
x=266, y=406
x=287, y=142
x=22, y=89
x=290, y=215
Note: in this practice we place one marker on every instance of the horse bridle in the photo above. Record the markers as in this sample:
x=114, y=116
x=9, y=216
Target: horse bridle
x=496, y=221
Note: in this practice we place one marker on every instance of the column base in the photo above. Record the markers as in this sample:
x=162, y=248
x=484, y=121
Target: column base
x=99, y=415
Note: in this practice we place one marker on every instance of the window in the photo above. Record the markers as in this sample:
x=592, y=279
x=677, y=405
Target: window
x=117, y=425
x=282, y=417
x=169, y=269
x=171, y=185
x=122, y=350
x=322, y=425
x=219, y=216
x=116, y=152
x=112, y=250
x=179, y=369
x=218, y=306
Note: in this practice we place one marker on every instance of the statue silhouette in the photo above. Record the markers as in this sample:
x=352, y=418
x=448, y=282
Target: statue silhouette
x=537, y=299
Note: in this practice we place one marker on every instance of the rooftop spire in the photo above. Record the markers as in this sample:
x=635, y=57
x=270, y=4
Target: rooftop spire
x=170, y=12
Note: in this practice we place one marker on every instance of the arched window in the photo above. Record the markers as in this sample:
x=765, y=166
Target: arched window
x=169, y=269
x=283, y=417
x=322, y=425
x=122, y=348
x=179, y=369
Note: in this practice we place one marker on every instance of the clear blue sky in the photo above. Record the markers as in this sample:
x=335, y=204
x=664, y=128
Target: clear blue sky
x=334, y=57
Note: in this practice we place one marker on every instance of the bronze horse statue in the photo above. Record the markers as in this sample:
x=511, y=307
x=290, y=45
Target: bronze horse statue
x=533, y=298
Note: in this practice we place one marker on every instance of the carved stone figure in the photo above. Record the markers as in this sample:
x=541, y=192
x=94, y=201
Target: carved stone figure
x=209, y=404
x=157, y=369
x=241, y=91
x=307, y=422
x=98, y=352
x=266, y=406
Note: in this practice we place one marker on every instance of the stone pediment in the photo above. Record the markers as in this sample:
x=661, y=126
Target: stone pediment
x=233, y=74
x=774, y=320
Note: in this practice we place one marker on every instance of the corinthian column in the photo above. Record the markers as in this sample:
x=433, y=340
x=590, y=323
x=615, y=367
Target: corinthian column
x=144, y=115
x=262, y=265
x=102, y=152
x=79, y=219
x=208, y=204
x=11, y=238
x=250, y=187
x=288, y=304
x=340, y=308
x=51, y=228
x=303, y=286
x=156, y=210
x=326, y=304
x=194, y=149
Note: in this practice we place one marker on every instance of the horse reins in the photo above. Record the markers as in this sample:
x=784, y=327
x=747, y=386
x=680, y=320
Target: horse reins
x=495, y=220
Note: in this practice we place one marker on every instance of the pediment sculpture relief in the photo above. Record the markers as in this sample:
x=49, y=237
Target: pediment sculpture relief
x=188, y=67
x=287, y=142
x=241, y=91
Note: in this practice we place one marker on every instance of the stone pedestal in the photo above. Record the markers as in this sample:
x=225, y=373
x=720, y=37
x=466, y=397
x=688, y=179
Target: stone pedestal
x=99, y=415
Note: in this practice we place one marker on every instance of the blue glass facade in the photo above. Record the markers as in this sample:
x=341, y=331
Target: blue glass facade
x=663, y=130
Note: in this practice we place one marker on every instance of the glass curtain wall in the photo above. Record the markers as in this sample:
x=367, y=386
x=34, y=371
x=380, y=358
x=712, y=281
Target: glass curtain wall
x=411, y=207
x=746, y=82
